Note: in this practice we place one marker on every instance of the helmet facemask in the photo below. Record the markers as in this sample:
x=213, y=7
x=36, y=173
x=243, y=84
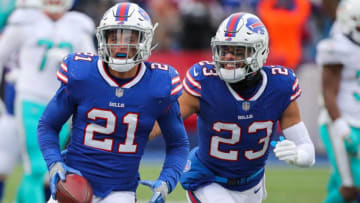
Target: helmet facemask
x=123, y=48
x=348, y=17
x=234, y=62
x=57, y=6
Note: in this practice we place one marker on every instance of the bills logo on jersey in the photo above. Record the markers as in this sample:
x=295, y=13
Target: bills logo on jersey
x=119, y=92
x=255, y=25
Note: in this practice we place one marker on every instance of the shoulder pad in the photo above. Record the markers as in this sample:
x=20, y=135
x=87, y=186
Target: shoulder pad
x=284, y=80
x=82, y=20
x=197, y=73
x=73, y=66
x=332, y=51
x=164, y=70
x=24, y=16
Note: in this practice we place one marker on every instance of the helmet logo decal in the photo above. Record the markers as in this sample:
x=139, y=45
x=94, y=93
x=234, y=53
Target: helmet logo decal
x=255, y=25
x=144, y=14
x=232, y=25
x=122, y=12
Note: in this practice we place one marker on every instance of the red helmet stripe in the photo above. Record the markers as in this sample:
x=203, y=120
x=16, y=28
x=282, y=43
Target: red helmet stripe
x=122, y=12
x=232, y=24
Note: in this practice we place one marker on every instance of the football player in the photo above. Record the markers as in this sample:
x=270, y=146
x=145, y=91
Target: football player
x=239, y=103
x=41, y=38
x=9, y=140
x=114, y=100
x=338, y=56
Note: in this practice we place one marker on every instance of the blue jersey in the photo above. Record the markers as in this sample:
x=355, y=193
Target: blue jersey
x=234, y=132
x=111, y=122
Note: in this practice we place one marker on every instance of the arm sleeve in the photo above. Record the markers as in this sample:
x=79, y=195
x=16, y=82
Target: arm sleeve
x=55, y=115
x=191, y=81
x=177, y=145
x=299, y=134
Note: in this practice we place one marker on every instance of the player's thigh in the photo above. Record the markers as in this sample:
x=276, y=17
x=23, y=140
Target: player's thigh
x=28, y=114
x=212, y=193
x=9, y=144
x=325, y=137
x=355, y=160
x=117, y=196
x=255, y=194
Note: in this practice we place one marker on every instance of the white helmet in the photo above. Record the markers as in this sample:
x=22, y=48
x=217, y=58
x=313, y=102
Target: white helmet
x=57, y=6
x=122, y=21
x=348, y=16
x=246, y=36
x=28, y=3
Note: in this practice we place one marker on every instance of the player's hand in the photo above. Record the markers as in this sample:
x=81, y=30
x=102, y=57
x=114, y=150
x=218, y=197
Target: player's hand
x=286, y=151
x=156, y=131
x=59, y=170
x=160, y=189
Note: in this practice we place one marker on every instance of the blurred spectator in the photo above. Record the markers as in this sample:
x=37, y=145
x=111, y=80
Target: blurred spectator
x=197, y=23
x=166, y=13
x=285, y=20
x=232, y=6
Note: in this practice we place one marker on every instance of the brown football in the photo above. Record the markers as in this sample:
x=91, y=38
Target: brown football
x=75, y=189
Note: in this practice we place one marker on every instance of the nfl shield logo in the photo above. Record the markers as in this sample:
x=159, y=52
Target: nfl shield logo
x=187, y=166
x=119, y=92
x=246, y=106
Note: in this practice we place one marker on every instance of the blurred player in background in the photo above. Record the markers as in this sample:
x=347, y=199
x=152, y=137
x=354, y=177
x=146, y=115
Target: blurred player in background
x=9, y=140
x=41, y=38
x=238, y=103
x=6, y=7
x=340, y=120
x=114, y=100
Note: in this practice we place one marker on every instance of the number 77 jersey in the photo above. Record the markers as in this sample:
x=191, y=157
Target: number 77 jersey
x=234, y=132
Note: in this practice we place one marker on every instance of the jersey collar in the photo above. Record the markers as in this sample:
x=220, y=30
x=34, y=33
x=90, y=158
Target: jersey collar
x=113, y=83
x=256, y=95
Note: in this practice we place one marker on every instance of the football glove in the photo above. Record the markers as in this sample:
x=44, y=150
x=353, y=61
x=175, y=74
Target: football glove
x=159, y=188
x=59, y=170
x=286, y=150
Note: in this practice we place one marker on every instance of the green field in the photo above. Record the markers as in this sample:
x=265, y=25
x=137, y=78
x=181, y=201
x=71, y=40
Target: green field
x=283, y=185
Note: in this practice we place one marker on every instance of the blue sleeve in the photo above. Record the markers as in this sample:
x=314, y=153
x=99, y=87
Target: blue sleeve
x=177, y=145
x=55, y=115
x=176, y=86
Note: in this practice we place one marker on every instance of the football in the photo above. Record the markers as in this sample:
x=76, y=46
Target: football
x=75, y=189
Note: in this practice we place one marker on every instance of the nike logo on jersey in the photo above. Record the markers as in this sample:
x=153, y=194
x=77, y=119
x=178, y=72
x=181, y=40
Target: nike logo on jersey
x=116, y=105
x=195, y=73
x=243, y=117
x=257, y=190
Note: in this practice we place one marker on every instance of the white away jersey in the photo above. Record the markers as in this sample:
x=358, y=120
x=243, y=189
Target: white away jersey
x=340, y=50
x=42, y=44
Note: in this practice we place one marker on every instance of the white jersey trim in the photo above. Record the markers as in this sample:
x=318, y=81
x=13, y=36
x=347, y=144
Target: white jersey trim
x=258, y=93
x=112, y=83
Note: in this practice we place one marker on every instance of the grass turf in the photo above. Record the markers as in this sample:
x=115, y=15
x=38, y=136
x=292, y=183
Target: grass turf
x=283, y=184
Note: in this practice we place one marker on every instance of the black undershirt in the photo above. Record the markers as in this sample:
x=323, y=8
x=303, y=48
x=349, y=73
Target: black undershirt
x=247, y=87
